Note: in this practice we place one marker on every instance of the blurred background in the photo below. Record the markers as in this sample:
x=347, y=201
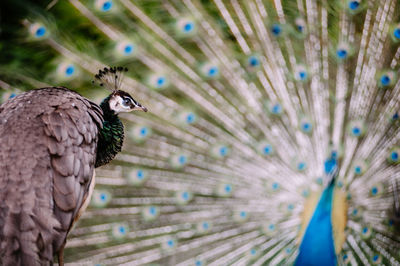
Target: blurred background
x=256, y=109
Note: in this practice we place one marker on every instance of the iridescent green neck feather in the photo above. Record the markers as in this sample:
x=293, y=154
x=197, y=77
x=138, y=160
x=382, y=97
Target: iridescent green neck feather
x=111, y=136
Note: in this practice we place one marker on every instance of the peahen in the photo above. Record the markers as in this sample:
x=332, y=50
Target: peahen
x=51, y=140
x=273, y=137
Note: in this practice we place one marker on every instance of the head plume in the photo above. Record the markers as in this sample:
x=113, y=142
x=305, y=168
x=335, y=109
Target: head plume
x=111, y=77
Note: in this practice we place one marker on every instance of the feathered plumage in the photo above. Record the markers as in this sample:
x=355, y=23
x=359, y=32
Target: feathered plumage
x=48, y=151
x=273, y=137
x=51, y=140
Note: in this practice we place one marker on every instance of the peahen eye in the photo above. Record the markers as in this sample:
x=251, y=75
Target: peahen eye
x=126, y=101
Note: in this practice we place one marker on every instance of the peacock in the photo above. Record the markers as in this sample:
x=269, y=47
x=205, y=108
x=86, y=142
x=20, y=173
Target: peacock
x=272, y=136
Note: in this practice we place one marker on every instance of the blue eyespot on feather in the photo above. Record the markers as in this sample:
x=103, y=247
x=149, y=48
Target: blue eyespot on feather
x=394, y=155
x=386, y=79
x=223, y=151
x=100, y=198
x=104, y=5
x=125, y=48
x=366, y=232
x=275, y=187
x=301, y=166
x=276, y=29
x=269, y=229
x=150, y=213
x=253, y=61
x=120, y=230
x=182, y=159
x=210, y=70
x=253, y=253
x=396, y=33
x=300, y=73
x=136, y=176
x=354, y=5
x=169, y=244
x=357, y=170
x=300, y=25
x=183, y=197
x=360, y=167
x=346, y=258
x=377, y=190
x=376, y=259
x=356, y=213
x=224, y=190
x=240, y=216
x=158, y=81
x=220, y=151
x=395, y=117
x=190, y=118
x=290, y=207
x=179, y=160
x=186, y=27
x=306, y=125
x=343, y=51
x=274, y=108
x=8, y=95
x=265, y=148
x=139, y=133
x=66, y=71
x=203, y=227
x=38, y=30
x=128, y=49
x=198, y=262
x=319, y=181
x=298, y=164
x=69, y=71
x=305, y=192
x=187, y=118
x=356, y=129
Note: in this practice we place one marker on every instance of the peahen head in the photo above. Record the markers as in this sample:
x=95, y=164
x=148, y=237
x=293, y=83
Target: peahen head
x=120, y=102
x=111, y=135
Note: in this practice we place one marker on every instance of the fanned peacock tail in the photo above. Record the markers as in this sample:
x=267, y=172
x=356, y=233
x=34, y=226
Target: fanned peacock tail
x=272, y=135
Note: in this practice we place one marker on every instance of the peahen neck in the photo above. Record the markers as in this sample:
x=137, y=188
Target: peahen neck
x=111, y=136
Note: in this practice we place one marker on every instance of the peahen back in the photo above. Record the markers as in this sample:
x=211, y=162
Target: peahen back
x=272, y=136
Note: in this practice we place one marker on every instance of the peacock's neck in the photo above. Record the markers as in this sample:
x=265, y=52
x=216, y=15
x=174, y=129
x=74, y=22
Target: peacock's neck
x=111, y=136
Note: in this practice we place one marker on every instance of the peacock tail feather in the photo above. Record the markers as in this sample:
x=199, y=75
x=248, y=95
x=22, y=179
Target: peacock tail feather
x=272, y=136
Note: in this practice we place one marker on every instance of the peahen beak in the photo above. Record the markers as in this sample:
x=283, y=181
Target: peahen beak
x=139, y=107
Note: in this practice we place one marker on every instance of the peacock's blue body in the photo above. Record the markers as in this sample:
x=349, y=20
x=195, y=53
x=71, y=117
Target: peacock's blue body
x=317, y=246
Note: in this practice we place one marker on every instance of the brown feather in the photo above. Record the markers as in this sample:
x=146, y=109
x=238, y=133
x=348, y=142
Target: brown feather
x=46, y=167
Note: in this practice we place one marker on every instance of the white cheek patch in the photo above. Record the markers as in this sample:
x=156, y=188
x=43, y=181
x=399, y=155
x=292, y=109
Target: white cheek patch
x=117, y=106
